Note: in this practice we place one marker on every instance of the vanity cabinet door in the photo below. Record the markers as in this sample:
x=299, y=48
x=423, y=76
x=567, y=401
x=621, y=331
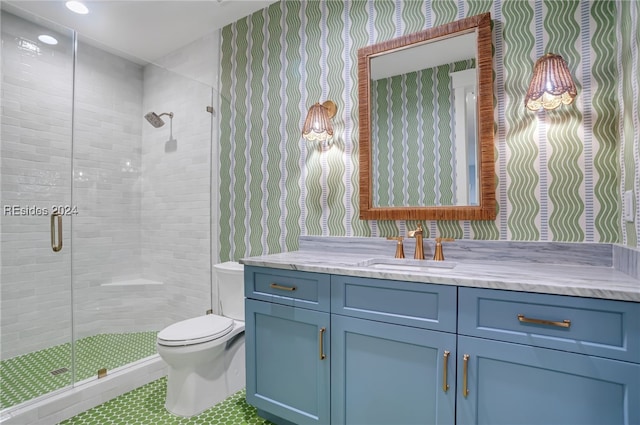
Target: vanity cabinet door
x=287, y=354
x=517, y=384
x=385, y=374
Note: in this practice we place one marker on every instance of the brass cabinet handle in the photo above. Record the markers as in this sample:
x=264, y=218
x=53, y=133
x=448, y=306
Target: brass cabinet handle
x=321, y=343
x=465, y=373
x=284, y=288
x=445, y=385
x=56, y=246
x=563, y=324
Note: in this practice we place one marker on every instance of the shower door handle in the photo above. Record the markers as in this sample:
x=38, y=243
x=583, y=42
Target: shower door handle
x=56, y=246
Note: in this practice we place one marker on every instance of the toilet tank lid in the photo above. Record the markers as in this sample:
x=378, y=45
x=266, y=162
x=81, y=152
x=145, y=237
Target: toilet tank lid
x=229, y=265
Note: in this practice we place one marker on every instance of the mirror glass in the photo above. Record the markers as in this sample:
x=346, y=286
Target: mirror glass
x=425, y=151
x=422, y=104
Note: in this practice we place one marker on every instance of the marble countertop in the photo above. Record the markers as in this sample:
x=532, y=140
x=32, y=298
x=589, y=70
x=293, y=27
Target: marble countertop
x=562, y=279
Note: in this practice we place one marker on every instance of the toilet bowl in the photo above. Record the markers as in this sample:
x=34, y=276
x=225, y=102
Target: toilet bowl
x=205, y=354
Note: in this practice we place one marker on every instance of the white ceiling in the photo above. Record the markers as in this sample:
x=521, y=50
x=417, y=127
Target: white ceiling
x=142, y=29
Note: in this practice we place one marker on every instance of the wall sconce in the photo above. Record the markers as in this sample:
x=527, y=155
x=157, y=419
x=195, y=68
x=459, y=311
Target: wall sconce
x=551, y=84
x=317, y=126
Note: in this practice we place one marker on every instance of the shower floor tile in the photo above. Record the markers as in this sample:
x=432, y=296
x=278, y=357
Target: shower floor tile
x=145, y=405
x=29, y=376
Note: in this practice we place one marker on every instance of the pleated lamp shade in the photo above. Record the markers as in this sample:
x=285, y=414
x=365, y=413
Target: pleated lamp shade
x=551, y=84
x=317, y=125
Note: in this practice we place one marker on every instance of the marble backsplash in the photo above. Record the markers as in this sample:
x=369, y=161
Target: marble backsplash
x=621, y=258
x=626, y=260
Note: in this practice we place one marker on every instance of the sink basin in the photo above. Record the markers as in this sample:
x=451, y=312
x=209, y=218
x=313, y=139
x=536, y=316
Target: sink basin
x=397, y=264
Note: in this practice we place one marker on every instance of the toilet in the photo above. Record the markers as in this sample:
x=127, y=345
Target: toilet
x=205, y=354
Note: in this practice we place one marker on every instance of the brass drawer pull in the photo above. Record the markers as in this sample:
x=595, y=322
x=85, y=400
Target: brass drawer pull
x=284, y=288
x=56, y=246
x=563, y=324
x=445, y=385
x=465, y=375
x=321, y=343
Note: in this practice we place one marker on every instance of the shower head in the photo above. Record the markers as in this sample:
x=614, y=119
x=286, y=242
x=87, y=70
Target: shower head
x=155, y=120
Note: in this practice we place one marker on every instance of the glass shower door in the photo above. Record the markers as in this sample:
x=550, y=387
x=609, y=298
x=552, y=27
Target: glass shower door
x=114, y=305
x=36, y=165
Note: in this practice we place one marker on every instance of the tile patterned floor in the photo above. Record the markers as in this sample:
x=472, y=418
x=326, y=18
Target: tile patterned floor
x=145, y=405
x=25, y=377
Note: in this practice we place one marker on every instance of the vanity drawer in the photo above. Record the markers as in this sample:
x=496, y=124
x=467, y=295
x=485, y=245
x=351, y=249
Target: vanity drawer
x=421, y=305
x=598, y=327
x=288, y=287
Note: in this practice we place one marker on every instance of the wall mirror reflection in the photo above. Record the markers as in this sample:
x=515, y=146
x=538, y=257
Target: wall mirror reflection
x=426, y=124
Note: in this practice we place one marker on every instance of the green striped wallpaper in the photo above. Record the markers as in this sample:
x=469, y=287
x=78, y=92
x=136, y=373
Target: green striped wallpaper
x=560, y=174
x=629, y=122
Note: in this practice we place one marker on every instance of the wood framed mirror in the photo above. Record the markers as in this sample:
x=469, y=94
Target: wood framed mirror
x=426, y=124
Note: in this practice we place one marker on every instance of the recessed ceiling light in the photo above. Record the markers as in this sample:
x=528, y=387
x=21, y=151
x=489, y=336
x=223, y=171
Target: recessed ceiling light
x=47, y=39
x=76, y=6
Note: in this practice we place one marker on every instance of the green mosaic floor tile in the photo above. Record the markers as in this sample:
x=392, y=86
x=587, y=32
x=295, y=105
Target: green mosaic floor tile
x=111, y=351
x=145, y=406
x=25, y=377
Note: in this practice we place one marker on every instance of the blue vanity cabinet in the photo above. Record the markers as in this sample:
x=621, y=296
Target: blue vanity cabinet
x=287, y=346
x=389, y=365
x=347, y=350
x=528, y=358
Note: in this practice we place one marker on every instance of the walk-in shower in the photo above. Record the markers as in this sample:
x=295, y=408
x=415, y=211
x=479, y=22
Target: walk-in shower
x=74, y=143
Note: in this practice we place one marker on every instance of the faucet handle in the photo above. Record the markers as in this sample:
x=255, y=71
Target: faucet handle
x=438, y=254
x=399, y=245
x=418, y=231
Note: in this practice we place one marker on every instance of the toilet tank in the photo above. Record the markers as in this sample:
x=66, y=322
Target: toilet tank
x=230, y=277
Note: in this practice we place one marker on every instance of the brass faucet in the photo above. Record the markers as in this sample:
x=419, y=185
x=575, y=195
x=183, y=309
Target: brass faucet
x=419, y=255
x=399, y=245
x=438, y=255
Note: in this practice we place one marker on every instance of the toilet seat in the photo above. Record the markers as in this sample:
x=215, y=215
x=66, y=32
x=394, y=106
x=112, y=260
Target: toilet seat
x=195, y=331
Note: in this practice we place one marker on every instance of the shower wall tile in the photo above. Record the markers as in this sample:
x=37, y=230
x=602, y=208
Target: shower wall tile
x=176, y=165
x=198, y=60
x=107, y=172
x=107, y=188
x=35, y=164
x=120, y=308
